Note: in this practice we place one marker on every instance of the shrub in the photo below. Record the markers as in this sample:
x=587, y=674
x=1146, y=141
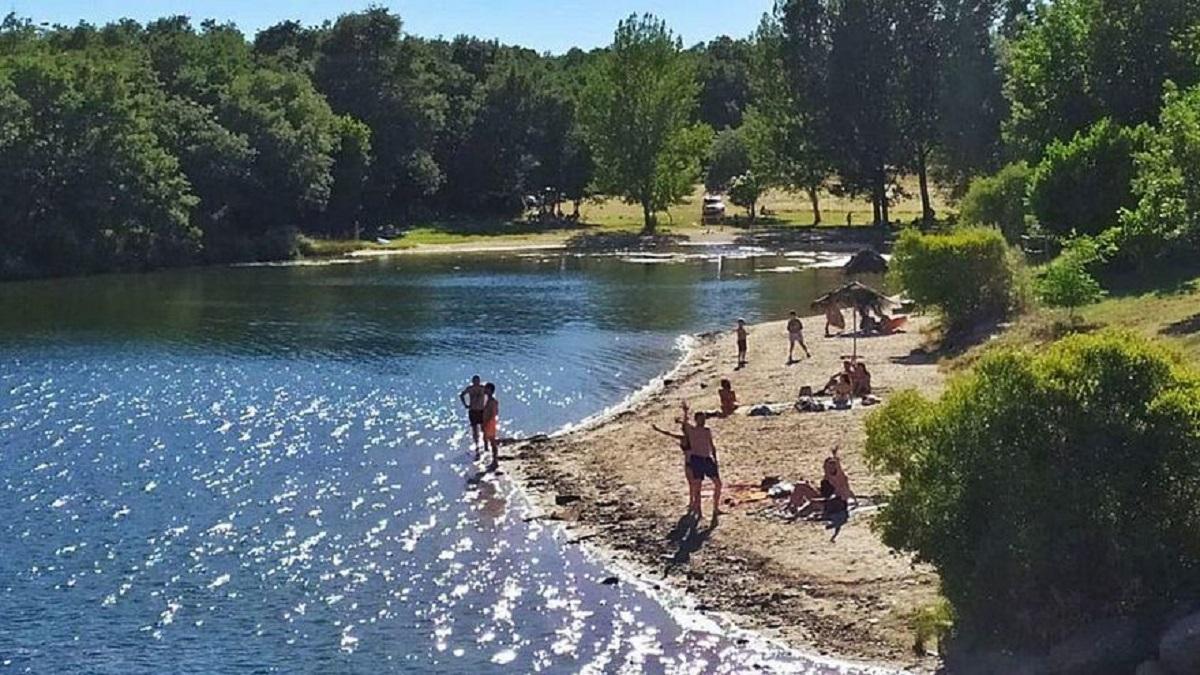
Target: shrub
x=1166, y=220
x=746, y=190
x=1080, y=186
x=970, y=275
x=999, y=201
x=1050, y=490
x=1067, y=280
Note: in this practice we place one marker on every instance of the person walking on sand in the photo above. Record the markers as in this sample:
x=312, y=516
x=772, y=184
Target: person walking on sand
x=702, y=460
x=742, y=342
x=795, y=329
x=474, y=399
x=491, y=424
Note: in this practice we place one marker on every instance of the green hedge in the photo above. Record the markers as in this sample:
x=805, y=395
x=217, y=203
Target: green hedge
x=999, y=201
x=970, y=275
x=1050, y=490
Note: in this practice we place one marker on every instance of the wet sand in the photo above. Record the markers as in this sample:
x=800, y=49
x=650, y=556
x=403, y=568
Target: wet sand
x=619, y=486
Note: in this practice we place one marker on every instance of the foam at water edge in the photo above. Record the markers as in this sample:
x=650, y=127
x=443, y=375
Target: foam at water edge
x=685, y=344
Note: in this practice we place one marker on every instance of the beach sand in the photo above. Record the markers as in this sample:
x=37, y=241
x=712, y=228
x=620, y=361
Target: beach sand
x=620, y=487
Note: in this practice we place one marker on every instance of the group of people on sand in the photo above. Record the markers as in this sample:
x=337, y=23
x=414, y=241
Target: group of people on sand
x=830, y=500
x=483, y=413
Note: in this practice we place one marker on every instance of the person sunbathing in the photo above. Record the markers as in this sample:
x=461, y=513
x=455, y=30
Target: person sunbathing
x=860, y=380
x=806, y=402
x=831, y=502
x=729, y=402
x=842, y=392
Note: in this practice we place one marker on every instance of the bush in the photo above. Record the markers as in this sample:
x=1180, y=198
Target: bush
x=970, y=275
x=1080, y=187
x=1067, y=281
x=1050, y=490
x=1166, y=220
x=999, y=201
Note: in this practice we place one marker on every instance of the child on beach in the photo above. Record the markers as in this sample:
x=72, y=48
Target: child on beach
x=742, y=339
x=795, y=329
x=491, y=424
x=729, y=402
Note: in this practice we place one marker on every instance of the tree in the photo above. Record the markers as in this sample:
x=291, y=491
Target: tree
x=366, y=71
x=1165, y=223
x=863, y=90
x=1080, y=186
x=792, y=116
x=1066, y=281
x=637, y=113
x=920, y=51
x=1029, y=466
x=746, y=190
x=730, y=159
x=1084, y=60
x=724, y=72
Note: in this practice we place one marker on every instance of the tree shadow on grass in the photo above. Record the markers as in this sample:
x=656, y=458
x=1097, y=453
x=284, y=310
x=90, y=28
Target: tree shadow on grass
x=1182, y=328
x=491, y=226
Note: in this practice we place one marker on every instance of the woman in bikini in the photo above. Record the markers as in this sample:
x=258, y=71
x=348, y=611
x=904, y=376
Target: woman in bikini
x=491, y=424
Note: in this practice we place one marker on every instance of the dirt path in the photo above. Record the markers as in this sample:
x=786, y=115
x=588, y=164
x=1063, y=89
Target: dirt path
x=850, y=599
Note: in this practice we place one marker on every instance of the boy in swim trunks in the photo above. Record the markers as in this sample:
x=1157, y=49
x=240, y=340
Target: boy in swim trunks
x=474, y=399
x=702, y=461
x=795, y=329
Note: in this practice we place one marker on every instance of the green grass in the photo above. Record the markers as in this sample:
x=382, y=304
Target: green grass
x=608, y=216
x=1164, y=305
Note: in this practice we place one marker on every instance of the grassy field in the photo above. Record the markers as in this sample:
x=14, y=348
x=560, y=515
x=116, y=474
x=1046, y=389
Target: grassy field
x=613, y=215
x=1166, y=307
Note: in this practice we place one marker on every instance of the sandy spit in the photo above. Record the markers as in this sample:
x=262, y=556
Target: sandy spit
x=619, y=487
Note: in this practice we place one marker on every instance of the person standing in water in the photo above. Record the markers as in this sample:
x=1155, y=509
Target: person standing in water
x=702, y=461
x=742, y=342
x=491, y=424
x=795, y=329
x=474, y=399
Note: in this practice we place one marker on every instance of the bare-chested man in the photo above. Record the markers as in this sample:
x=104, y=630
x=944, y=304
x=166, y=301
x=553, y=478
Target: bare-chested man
x=702, y=461
x=474, y=398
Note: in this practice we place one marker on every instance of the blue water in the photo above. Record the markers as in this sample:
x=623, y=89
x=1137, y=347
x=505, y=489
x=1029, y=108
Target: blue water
x=265, y=470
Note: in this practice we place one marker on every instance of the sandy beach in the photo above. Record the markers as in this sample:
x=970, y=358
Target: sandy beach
x=619, y=486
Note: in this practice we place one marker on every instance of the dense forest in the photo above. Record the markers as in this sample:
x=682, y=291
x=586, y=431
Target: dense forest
x=131, y=146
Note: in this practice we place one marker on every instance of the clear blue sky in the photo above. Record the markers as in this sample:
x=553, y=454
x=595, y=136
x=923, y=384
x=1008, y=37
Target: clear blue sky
x=545, y=25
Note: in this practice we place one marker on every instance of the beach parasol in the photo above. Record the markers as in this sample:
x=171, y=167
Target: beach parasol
x=856, y=295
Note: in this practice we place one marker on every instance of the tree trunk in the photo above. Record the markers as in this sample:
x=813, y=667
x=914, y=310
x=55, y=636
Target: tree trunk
x=815, y=198
x=881, y=189
x=877, y=215
x=753, y=211
x=927, y=213
x=649, y=225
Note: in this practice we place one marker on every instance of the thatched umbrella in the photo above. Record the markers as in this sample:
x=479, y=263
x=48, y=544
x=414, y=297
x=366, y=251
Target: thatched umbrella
x=856, y=295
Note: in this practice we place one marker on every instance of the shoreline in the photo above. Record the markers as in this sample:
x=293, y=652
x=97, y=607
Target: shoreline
x=616, y=488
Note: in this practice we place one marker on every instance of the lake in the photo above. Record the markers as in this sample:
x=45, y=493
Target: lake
x=265, y=469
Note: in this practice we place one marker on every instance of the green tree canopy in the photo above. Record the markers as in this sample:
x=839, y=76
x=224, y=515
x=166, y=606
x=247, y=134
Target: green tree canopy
x=638, y=113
